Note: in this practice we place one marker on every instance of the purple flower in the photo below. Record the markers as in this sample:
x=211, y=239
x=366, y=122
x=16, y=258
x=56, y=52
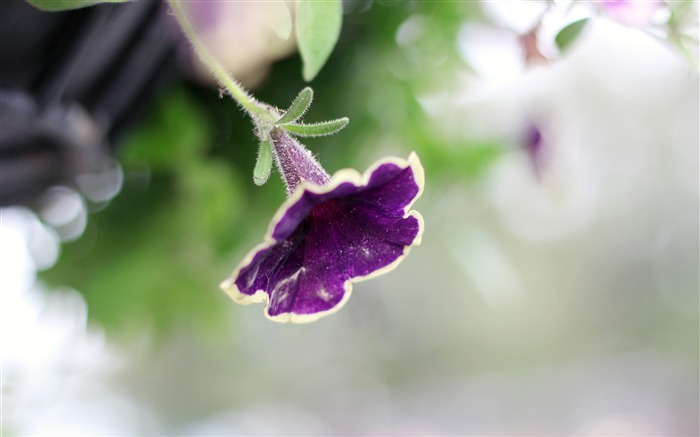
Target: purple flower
x=537, y=149
x=331, y=232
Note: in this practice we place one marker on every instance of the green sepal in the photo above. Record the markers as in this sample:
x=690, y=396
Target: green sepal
x=298, y=107
x=64, y=5
x=263, y=166
x=317, y=129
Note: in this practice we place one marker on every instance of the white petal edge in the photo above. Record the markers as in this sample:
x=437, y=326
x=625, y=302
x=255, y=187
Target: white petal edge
x=341, y=176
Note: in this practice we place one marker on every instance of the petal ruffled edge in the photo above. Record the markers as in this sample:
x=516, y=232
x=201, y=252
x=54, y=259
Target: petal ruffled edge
x=341, y=176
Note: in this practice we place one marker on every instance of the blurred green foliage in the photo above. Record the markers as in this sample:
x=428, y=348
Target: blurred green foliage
x=64, y=5
x=317, y=30
x=189, y=211
x=570, y=34
x=144, y=260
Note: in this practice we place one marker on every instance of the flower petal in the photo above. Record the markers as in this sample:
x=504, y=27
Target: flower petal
x=392, y=185
x=353, y=228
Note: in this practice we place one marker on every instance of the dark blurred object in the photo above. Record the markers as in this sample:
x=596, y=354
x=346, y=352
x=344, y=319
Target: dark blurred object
x=70, y=84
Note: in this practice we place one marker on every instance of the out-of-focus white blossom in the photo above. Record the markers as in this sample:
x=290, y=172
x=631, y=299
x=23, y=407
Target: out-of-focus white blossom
x=246, y=37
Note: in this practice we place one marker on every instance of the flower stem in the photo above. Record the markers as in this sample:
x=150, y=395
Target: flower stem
x=238, y=93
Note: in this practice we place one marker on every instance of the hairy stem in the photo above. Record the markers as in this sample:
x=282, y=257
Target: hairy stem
x=238, y=93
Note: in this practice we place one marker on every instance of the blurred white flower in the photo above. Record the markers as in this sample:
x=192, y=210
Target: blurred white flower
x=246, y=37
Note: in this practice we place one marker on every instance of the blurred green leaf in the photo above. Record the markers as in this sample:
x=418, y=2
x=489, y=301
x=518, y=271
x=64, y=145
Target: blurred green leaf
x=298, y=107
x=317, y=129
x=63, y=5
x=570, y=33
x=318, y=26
x=679, y=12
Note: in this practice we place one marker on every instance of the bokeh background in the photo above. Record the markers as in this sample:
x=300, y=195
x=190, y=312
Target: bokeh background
x=555, y=292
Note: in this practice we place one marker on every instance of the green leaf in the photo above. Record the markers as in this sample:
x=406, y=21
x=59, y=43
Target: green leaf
x=298, y=106
x=570, y=33
x=318, y=28
x=63, y=5
x=317, y=129
x=280, y=19
x=261, y=173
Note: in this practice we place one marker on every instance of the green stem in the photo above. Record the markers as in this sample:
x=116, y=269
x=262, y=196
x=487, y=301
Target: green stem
x=234, y=88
